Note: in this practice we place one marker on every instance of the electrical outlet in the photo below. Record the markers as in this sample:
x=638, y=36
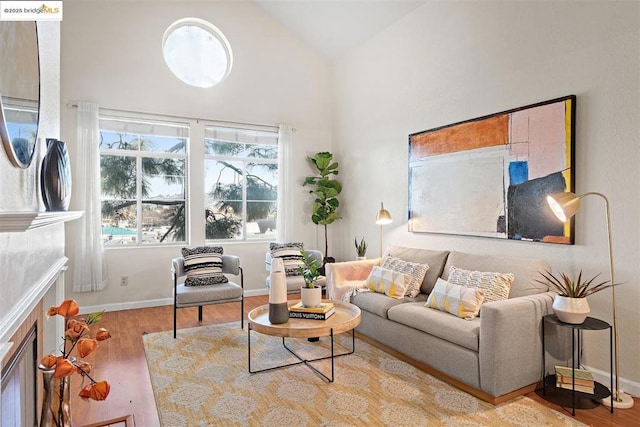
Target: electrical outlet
x=124, y=281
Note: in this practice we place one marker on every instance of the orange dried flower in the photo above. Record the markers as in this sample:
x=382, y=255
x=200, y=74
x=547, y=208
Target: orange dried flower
x=75, y=329
x=86, y=346
x=102, y=334
x=68, y=308
x=99, y=390
x=83, y=367
x=85, y=393
x=64, y=368
x=49, y=361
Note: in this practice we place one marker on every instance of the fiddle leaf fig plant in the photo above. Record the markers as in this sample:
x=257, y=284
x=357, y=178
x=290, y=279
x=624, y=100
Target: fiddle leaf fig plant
x=325, y=190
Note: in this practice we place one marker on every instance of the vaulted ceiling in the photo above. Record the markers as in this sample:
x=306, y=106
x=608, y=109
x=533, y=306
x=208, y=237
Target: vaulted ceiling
x=334, y=27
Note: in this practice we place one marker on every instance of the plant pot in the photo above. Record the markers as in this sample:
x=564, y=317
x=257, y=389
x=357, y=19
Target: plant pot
x=311, y=297
x=571, y=310
x=360, y=258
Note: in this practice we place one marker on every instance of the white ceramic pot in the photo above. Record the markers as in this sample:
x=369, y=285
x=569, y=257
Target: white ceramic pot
x=311, y=297
x=361, y=258
x=571, y=310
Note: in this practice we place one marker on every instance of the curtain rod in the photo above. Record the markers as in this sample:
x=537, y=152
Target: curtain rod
x=173, y=116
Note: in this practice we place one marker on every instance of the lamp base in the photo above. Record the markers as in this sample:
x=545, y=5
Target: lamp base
x=624, y=401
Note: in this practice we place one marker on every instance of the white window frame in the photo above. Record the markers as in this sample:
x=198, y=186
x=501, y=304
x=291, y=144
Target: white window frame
x=265, y=135
x=145, y=128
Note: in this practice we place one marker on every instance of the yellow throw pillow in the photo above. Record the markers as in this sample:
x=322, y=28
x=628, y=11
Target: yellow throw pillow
x=388, y=282
x=455, y=299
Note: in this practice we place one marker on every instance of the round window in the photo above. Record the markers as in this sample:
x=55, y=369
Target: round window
x=197, y=52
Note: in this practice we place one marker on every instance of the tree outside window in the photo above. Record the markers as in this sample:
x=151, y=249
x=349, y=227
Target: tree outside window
x=143, y=186
x=241, y=190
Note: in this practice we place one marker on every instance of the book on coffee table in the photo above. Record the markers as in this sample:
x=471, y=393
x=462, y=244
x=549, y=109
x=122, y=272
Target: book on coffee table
x=322, y=308
x=312, y=316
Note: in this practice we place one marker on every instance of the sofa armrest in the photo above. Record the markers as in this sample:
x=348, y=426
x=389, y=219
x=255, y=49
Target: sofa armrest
x=511, y=342
x=344, y=277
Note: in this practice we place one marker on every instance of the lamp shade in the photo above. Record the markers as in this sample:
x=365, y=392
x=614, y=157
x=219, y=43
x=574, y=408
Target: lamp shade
x=383, y=217
x=564, y=205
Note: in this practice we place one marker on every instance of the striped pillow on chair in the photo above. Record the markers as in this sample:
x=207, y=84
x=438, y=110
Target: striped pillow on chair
x=203, y=265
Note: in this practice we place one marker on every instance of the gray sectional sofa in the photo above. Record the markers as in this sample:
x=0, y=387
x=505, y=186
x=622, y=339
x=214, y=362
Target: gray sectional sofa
x=494, y=356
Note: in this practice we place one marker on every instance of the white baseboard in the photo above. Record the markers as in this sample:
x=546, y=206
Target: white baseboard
x=127, y=305
x=151, y=303
x=628, y=386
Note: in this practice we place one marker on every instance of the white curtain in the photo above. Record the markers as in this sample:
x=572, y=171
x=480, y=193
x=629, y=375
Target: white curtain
x=90, y=267
x=284, y=223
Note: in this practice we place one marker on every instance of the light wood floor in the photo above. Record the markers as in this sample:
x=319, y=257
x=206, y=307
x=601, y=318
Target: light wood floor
x=121, y=361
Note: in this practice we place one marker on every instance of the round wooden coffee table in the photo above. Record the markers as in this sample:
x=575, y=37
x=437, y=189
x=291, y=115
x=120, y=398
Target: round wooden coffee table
x=345, y=318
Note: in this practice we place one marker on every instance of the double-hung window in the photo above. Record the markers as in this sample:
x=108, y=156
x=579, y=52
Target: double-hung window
x=143, y=165
x=241, y=183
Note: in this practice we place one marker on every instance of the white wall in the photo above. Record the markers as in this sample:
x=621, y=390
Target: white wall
x=451, y=61
x=112, y=55
x=26, y=257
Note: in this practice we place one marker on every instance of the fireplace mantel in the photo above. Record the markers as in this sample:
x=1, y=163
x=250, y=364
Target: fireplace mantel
x=23, y=221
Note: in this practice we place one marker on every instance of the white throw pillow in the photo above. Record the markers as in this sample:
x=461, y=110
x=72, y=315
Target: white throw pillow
x=455, y=299
x=495, y=285
x=388, y=282
x=412, y=269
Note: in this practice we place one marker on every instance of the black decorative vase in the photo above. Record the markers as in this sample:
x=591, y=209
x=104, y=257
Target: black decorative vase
x=55, y=176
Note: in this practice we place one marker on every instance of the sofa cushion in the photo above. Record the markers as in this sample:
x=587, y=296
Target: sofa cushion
x=414, y=270
x=391, y=283
x=464, y=333
x=496, y=286
x=461, y=301
x=435, y=259
x=525, y=270
x=379, y=304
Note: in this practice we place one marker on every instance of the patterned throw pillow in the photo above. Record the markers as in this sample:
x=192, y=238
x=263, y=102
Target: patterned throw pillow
x=495, y=285
x=412, y=269
x=291, y=254
x=203, y=266
x=388, y=282
x=458, y=300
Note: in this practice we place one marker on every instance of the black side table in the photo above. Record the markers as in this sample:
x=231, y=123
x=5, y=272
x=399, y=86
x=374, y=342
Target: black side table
x=590, y=324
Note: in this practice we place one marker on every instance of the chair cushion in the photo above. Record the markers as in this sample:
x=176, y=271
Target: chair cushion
x=203, y=265
x=194, y=295
x=458, y=300
x=291, y=254
x=294, y=283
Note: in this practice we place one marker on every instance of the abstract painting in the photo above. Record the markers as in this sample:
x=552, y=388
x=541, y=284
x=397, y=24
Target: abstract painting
x=490, y=176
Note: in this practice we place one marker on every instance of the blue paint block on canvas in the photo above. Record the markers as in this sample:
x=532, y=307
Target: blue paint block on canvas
x=518, y=172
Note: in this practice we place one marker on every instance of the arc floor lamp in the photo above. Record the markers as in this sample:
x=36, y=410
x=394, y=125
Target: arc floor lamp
x=382, y=218
x=564, y=206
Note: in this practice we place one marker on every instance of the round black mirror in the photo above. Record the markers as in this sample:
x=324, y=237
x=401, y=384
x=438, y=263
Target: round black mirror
x=19, y=90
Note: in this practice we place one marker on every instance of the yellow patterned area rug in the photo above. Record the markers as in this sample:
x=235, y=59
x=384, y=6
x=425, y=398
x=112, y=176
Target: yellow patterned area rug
x=201, y=379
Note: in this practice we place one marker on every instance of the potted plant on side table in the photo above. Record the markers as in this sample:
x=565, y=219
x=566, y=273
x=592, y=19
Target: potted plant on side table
x=570, y=305
x=310, y=293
